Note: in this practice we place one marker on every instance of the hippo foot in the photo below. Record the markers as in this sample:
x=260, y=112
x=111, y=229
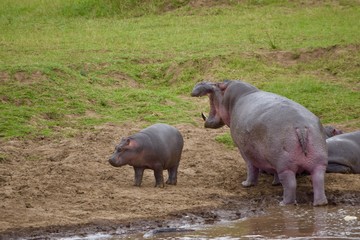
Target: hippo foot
x=275, y=183
x=247, y=184
x=322, y=202
x=160, y=185
x=169, y=182
x=283, y=203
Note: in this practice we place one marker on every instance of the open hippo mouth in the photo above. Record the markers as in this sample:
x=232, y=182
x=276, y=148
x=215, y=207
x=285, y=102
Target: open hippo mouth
x=215, y=96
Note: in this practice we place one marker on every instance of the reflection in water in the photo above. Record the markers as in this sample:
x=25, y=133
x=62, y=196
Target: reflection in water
x=290, y=222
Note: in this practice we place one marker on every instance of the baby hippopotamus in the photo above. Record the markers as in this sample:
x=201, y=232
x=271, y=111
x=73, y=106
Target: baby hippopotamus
x=157, y=147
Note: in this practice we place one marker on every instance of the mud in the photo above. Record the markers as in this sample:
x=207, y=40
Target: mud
x=58, y=187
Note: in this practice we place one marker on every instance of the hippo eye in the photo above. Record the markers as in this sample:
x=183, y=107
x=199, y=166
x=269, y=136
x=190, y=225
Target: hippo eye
x=121, y=149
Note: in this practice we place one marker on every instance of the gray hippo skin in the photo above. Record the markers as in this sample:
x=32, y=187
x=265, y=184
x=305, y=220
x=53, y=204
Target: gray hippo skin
x=330, y=131
x=157, y=147
x=272, y=133
x=344, y=153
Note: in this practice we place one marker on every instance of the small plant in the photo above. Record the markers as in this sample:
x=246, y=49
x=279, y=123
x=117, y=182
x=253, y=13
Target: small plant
x=271, y=41
x=3, y=158
x=225, y=139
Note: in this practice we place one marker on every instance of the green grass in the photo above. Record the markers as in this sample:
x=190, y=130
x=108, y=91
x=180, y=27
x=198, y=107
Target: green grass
x=226, y=140
x=314, y=95
x=76, y=64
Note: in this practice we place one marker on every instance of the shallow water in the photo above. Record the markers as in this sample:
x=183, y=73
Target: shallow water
x=290, y=222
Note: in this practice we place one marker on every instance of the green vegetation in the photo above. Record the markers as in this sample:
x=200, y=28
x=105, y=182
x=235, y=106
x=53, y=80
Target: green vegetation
x=69, y=65
x=225, y=139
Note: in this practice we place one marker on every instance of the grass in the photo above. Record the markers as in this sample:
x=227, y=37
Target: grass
x=76, y=64
x=226, y=140
x=315, y=96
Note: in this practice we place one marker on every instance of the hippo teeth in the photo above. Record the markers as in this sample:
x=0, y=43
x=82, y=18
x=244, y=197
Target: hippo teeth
x=203, y=116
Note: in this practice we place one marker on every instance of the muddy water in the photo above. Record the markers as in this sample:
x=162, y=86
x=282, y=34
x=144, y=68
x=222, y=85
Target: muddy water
x=291, y=222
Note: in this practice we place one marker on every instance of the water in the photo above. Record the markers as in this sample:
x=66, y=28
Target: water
x=290, y=222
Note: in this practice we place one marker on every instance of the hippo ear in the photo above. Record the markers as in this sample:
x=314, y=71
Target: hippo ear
x=223, y=85
x=131, y=143
x=123, y=141
x=333, y=132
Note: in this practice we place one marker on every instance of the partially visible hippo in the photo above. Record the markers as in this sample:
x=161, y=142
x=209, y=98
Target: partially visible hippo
x=157, y=147
x=272, y=133
x=330, y=131
x=344, y=153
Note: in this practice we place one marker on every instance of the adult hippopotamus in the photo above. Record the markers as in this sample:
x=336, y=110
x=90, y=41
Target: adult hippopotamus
x=272, y=133
x=157, y=147
x=344, y=153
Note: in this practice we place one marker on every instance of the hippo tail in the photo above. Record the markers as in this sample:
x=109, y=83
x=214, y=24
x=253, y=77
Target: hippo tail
x=302, y=134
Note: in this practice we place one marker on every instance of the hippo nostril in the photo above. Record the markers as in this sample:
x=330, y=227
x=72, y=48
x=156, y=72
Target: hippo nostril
x=114, y=163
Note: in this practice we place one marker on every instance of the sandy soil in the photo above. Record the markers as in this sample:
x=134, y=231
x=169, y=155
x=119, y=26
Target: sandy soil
x=65, y=186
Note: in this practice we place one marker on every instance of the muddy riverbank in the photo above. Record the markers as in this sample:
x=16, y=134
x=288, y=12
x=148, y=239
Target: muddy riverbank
x=64, y=186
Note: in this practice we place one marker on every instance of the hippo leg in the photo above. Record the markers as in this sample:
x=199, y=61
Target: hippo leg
x=172, y=172
x=317, y=177
x=288, y=180
x=276, y=180
x=252, y=175
x=159, y=178
x=138, y=175
x=338, y=168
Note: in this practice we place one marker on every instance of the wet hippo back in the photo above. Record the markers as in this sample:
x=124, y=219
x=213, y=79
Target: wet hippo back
x=344, y=153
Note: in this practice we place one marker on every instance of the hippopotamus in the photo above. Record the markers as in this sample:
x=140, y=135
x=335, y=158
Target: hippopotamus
x=272, y=133
x=330, y=131
x=344, y=153
x=157, y=147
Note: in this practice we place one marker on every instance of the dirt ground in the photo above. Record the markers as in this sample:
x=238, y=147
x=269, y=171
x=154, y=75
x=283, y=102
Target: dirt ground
x=52, y=187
